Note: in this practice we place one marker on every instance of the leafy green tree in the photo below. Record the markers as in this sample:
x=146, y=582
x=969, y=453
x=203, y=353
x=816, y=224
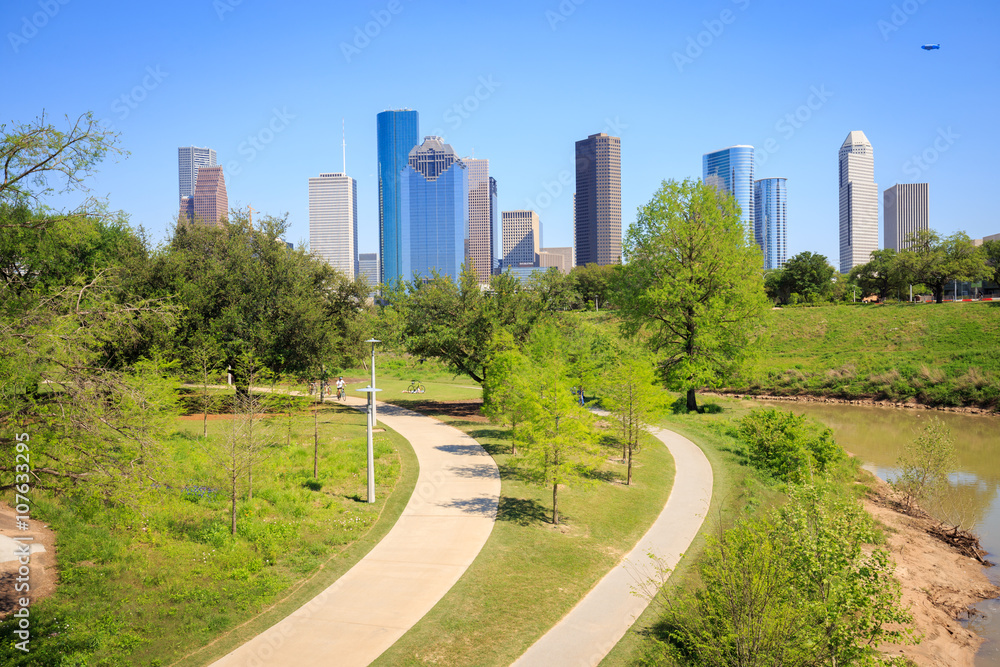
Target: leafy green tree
x=505, y=386
x=991, y=251
x=457, y=323
x=807, y=274
x=787, y=445
x=594, y=282
x=883, y=275
x=556, y=290
x=634, y=401
x=692, y=285
x=936, y=261
x=925, y=464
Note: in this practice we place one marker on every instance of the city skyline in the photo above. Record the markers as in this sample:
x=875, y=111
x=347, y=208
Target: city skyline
x=731, y=170
x=771, y=220
x=672, y=91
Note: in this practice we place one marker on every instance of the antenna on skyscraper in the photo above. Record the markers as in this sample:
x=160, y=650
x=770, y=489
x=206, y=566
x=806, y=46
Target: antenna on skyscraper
x=344, y=143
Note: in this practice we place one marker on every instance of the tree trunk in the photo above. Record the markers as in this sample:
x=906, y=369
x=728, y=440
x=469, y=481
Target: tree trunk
x=628, y=478
x=232, y=527
x=939, y=294
x=316, y=444
x=555, y=504
x=692, y=401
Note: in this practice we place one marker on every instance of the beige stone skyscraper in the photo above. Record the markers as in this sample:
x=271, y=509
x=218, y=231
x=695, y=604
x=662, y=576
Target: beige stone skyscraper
x=482, y=213
x=858, y=202
x=333, y=221
x=598, y=202
x=520, y=238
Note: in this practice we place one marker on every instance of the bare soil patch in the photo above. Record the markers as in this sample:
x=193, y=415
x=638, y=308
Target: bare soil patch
x=43, y=564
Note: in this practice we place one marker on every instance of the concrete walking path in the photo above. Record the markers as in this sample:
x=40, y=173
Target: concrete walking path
x=442, y=529
x=592, y=628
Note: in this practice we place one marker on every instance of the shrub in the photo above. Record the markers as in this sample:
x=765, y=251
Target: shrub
x=787, y=445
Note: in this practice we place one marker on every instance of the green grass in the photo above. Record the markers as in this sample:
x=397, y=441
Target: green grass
x=148, y=586
x=530, y=573
x=937, y=354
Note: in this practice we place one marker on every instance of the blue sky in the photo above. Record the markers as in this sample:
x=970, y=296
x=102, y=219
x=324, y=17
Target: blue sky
x=519, y=83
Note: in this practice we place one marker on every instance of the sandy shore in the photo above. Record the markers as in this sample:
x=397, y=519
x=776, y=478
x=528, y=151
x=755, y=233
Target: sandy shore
x=938, y=584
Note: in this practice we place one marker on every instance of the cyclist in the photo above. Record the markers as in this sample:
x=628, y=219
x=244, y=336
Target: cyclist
x=341, y=389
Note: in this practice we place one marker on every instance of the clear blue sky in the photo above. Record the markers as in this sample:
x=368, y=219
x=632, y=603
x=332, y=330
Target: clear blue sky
x=218, y=72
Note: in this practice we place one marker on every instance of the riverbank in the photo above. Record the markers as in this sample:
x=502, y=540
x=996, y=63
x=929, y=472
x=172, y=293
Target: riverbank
x=812, y=398
x=938, y=584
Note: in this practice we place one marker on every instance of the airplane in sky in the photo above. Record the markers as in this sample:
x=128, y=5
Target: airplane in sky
x=931, y=47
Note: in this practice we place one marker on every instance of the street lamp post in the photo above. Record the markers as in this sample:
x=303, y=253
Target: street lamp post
x=370, y=391
x=372, y=385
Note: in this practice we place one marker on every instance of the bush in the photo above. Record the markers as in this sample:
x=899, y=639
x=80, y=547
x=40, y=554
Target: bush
x=787, y=445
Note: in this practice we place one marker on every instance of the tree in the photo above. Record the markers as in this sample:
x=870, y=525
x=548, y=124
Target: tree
x=556, y=290
x=786, y=445
x=693, y=284
x=883, y=275
x=808, y=275
x=505, y=386
x=634, y=400
x=935, y=262
x=594, y=282
x=991, y=251
x=924, y=466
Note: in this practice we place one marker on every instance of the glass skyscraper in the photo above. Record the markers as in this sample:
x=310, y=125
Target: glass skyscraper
x=434, y=203
x=770, y=220
x=731, y=170
x=397, y=133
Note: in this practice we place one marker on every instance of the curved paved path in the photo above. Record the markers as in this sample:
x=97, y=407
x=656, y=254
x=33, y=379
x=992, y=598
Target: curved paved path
x=592, y=628
x=440, y=532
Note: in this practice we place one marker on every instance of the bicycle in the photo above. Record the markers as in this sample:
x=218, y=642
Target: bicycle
x=415, y=388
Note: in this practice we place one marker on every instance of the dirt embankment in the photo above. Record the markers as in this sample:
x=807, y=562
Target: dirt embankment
x=810, y=398
x=42, y=565
x=938, y=584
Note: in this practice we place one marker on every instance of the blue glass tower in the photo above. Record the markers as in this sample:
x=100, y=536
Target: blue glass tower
x=731, y=170
x=397, y=133
x=435, y=211
x=770, y=220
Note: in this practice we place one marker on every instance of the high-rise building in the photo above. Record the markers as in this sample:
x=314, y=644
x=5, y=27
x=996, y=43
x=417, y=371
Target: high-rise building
x=731, y=170
x=368, y=267
x=905, y=210
x=565, y=264
x=858, y=201
x=496, y=236
x=597, y=205
x=189, y=160
x=482, y=200
x=397, y=135
x=520, y=238
x=210, y=203
x=770, y=197
x=435, y=211
x=333, y=221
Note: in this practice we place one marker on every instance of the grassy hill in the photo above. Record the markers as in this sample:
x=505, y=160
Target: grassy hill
x=937, y=354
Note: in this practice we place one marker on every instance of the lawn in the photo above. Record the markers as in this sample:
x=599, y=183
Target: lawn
x=155, y=583
x=938, y=354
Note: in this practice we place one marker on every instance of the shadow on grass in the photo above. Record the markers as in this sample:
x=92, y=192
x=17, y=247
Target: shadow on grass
x=522, y=511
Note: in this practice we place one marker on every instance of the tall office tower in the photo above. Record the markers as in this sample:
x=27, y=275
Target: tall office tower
x=597, y=206
x=189, y=160
x=397, y=135
x=368, y=267
x=566, y=264
x=434, y=203
x=333, y=221
x=906, y=209
x=211, y=203
x=520, y=238
x=496, y=237
x=482, y=195
x=858, y=201
x=731, y=170
x=770, y=198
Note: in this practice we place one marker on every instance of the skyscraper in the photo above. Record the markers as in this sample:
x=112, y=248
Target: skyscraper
x=189, y=160
x=906, y=209
x=368, y=267
x=434, y=203
x=731, y=170
x=333, y=221
x=397, y=134
x=597, y=205
x=210, y=203
x=770, y=197
x=520, y=238
x=858, y=201
x=482, y=197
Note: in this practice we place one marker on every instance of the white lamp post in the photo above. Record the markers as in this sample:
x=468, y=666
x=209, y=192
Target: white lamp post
x=370, y=391
x=372, y=385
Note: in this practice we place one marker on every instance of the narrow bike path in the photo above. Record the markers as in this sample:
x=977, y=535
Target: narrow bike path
x=442, y=529
x=592, y=628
